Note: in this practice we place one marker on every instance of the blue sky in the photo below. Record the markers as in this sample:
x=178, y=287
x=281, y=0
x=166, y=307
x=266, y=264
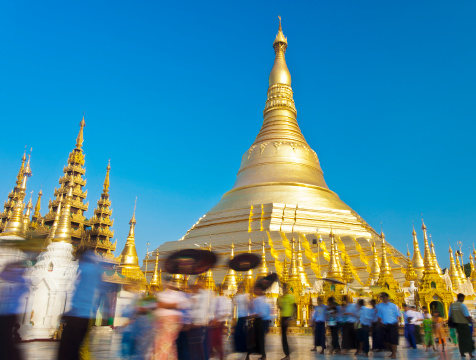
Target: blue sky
x=174, y=92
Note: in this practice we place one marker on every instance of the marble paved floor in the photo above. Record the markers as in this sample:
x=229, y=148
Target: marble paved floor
x=105, y=346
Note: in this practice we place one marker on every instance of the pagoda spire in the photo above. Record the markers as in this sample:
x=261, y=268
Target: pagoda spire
x=13, y=195
x=53, y=228
x=294, y=281
x=63, y=231
x=74, y=170
x=101, y=234
x=453, y=272
x=80, y=138
x=333, y=271
x=263, y=269
x=300, y=265
x=36, y=214
x=156, y=281
x=347, y=275
x=433, y=255
x=230, y=282
x=410, y=273
x=461, y=273
x=386, y=276
x=473, y=271
x=375, y=269
x=417, y=261
x=248, y=278
x=285, y=277
x=129, y=254
x=14, y=229
x=26, y=217
x=428, y=257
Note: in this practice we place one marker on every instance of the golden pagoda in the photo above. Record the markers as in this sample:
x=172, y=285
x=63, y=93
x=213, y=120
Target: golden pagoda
x=453, y=272
x=12, y=196
x=128, y=260
x=263, y=268
x=417, y=261
x=14, y=228
x=36, y=219
x=375, y=269
x=100, y=234
x=280, y=179
x=73, y=171
x=230, y=281
x=386, y=278
x=433, y=292
x=155, y=284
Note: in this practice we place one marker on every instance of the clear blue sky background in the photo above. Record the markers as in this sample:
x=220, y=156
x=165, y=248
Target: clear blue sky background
x=174, y=93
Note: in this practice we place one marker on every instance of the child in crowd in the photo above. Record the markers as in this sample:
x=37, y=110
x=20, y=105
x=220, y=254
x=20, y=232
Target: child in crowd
x=440, y=330
x=428, y=330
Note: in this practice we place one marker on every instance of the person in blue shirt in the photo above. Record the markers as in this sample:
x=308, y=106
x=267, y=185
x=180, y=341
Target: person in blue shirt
x=461, y=319
x=331, y=319
x=349, y=318
x=262, y=315
x=366, y=317
x=389, y=315
x=319, y=324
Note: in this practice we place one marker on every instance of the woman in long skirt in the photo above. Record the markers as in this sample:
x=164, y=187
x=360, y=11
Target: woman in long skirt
x=168, y=323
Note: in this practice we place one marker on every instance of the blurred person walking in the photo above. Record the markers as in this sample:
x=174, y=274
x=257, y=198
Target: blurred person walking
x=82, y=306
x=168, y=322
x=319, y=324
x=202, y=301
x=261, y=313
x=461, y=319
x=389, y=315
x=348, y=318
x=418, y=321
x=377, y=333
x=440, y=332
x=331, y=319
x=12, y=289
x=429, y=338
x=287, y=306
x=221, y=312
x=409, y=317
x=366, y=317
x=242, y=303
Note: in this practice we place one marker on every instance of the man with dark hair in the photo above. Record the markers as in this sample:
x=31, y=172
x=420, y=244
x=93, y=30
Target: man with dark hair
x=261, y=311
x=366, y=316
x=462, y=320
x=409, y=317
x=389, y=315
x=349, y=318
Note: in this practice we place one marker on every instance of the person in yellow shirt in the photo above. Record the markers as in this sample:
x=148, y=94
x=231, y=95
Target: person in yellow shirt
x=287, y=306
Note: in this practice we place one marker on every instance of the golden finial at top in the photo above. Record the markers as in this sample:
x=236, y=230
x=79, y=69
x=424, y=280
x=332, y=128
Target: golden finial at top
x=80, y=138
x=133, y=219
x=280, y=73
x=106, y=180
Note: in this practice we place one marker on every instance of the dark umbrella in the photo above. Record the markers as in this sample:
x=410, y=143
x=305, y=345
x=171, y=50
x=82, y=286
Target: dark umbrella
x=244, y=262
x=190, y=261
x=333, y=281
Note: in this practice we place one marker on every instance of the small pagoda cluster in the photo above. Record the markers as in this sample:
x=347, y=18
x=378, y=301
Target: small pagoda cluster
x=66, y=215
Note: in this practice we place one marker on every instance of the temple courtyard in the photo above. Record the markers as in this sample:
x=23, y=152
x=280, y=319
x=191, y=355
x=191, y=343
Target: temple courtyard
x=106, y=346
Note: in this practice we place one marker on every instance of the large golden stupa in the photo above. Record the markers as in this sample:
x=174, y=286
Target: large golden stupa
x=280, y=197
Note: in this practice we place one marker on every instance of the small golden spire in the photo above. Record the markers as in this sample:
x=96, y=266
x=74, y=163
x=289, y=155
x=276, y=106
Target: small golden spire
x=80, y=138
x=248, y=278
x=230, y=282
x=285, y=277
x=129, y=254
x=20, y=172
x=473, y=271
x=417, y=261
x=300, y=265
x=386, y=276
x=333, y=270
x=375, y=270
x=53, y=228
x=26, y=216
x=280, y=73
x=294, y=281
x=263, y=269
x=106, y=180
x=63, y=231
x=428, y=258
x=433, y=255
x=36, y=214
x=156, y=281
x=453, y=272
x=347, y=275
x=410, y=274
x=461, y=273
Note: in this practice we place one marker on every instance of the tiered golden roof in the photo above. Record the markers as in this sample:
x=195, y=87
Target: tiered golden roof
x=100, y=234
x=12, y=196
x=63, y=229
x=14, y=229
x=72, y=172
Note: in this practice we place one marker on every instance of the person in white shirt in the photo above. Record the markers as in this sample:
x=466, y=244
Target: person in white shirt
x=202, y=314
x=418, y=321
x=168, y=323
x=221, y=312
x=242, y=303
x=261, y=313
x=409, y=317
x=319, y=324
